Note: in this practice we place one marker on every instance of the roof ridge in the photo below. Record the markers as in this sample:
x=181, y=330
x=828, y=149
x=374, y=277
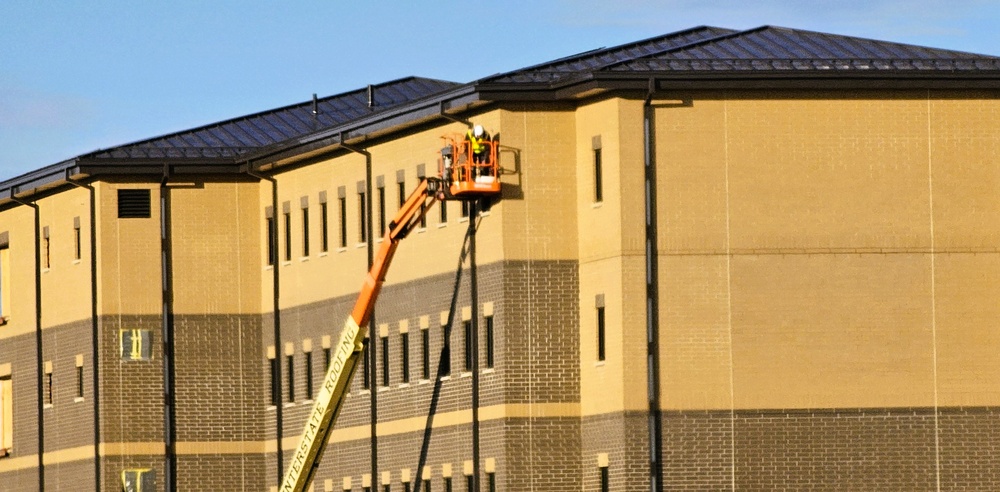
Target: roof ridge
x=690, y=45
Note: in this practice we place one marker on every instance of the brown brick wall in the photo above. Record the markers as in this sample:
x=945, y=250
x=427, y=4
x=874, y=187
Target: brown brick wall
x=131, y=392
x=625, y=438
x=20, y=353
x=72, y=476
x=970, y=459
x=69, y=423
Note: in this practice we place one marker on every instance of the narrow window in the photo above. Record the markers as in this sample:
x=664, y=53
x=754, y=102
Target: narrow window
x=366, y=381
x=467, y=326
x=362, y=218
x=598, y=177
x=387, y=488
x=309, y=375
x=600, y=333
x=324, y=216
x=272, y=233
x=48, y=384
x=491, y=479
x=427, y=485
x=465, y=209
x=366, y=489
x=77, y=247
x=327, y=353
x=406, y=486
x=405, y=348
x=443, y=210
x=381, y=210
x=385, y=361
x=445, y=352
x=425, y=353
x=79, y=381
x=490, y=347
x=288, y=236
x=4, y=279
x=605, y=486
x=46, y=249
x=423, y=215
x=447, y=484
x=305, y=231
x=275, y=396
x=290, y=367
x=343, y=222
x=6, y=416
x=401, y=186
x=470, y=485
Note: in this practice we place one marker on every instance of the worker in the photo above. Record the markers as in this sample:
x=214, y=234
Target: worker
x=478, y=138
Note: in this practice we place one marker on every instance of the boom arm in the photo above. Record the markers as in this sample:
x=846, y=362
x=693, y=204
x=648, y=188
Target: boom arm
x=345, y=355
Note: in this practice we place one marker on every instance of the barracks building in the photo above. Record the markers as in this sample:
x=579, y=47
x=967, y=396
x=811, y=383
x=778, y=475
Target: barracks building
x=761, y=259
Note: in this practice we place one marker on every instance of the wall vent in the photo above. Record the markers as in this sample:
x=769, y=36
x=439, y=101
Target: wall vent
x=134, y=204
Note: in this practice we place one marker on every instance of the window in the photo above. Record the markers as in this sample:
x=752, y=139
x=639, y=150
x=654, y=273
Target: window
x=305, y=231
x=491, y=481
x=406, y=486
x=46, y=249
x=605, y=485
x=598, y=177
x=387, y=488
x=309, y=375
x=385, y=361
x=467, y=326
x=465, y=209
x=272, y=241
x=291, y=377
x=327, y=353
x=427, y=485
x=381, y=210
x=490, y=350
x=425, y=349
x=447, y=484
x=366, y=365
x=324, y=217
x=443, y=210
x=343, y=222
x=275, y=396
x=48, y=384
x=6, y=416
x=4, y=278
x=445, y=353
x=362, y=218
x=79, y=381
x=405, y=349
x=601, y=342
x=77, y=247
x=401, y=186
x=288, y=236
x=470, y=484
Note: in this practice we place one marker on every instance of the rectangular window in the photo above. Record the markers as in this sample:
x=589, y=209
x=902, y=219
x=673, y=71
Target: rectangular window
x=401, y=186
x=79, y=381
x=343, y=222
x=6, y=416
x=288, y=236
x=598, y=177
x=443, y=210
x=275, y=396
x=490, y=343
x=272, y=233
x=366, y=380
x=600, y=334
x=445, y=352
x=491, y=479
x=406, y=486
x=467, y=326
x=387, y=488
x=290, y=367
x=425, y=353
x=427, y=485
x=77, y=246
x=381, y=211
x=366, y=489
x=470, y=484
x=324, y=217
x=362, y=218
x=309, y=375
x=605, y=485
x=48, y=384
x=405, y=348
x=46, y=249
x=385, y=361
x=4, y=282
x=465, y=209
x=327, y=353
x=447, y=484
x=305, y=231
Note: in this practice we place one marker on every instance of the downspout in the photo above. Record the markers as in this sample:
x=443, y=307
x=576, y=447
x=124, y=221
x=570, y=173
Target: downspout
x=474, y=298
x=94, y=329
x=276, y=309
x=169, y=399
x=371, y=351
x=652, y=293
x=38, y=341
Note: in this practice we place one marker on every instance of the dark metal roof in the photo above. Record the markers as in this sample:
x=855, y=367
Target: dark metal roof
x=240, y=136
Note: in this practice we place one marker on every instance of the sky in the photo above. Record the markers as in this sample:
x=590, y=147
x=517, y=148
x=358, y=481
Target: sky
x=82, y=75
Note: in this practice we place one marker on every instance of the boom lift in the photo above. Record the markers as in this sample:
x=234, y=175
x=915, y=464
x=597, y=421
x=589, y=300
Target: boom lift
x=463, y=175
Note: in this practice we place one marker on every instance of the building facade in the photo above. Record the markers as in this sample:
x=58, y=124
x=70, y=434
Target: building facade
x=722, y=260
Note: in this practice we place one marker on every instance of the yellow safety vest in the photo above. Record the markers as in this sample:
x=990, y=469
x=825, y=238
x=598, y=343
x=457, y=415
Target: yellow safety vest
x=477, y=143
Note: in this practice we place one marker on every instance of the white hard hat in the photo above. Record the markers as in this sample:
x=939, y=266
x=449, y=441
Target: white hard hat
x=478, y=130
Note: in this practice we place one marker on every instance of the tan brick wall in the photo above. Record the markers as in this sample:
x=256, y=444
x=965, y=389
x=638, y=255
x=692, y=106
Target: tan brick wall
x=128, y=254
x=66, y=282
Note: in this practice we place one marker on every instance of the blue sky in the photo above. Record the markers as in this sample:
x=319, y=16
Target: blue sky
x=78, y=76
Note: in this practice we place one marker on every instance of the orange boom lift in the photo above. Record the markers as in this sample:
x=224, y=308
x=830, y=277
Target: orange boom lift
x=463, y=175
